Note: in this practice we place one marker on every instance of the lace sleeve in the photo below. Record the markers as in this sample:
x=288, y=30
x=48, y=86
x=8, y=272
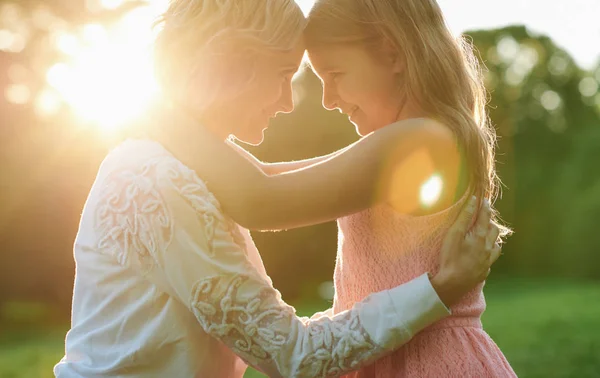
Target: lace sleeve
x=323, y=314
x=184, y=241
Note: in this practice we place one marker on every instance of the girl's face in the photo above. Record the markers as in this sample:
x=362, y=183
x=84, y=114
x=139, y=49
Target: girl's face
x=359, y=84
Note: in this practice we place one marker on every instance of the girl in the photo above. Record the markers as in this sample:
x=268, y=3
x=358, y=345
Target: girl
x=385, y=61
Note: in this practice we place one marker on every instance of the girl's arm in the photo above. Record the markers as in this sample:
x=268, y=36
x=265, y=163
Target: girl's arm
x=271, y=169
x=349, y=182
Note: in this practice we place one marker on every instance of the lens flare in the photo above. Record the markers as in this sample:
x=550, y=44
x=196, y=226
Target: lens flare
x=431, y=190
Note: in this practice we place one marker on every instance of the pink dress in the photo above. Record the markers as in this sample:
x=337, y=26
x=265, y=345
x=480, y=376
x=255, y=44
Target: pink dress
x=379, y=249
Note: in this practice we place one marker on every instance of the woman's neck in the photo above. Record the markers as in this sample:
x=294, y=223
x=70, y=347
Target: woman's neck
x=215, y=121
x=193, y=122
x=176, y=129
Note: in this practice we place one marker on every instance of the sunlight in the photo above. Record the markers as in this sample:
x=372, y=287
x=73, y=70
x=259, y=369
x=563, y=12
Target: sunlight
x=431, y=190
x=47, y=103
x=111, y=4
x=550, y=100
x=508, y=49
x=11, y=42
x=107, y=79
x=588, y=87
x=67, y=43
x=18, y=94
x=305, y=5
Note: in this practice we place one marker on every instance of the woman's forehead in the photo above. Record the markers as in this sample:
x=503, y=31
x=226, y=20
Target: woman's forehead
x=288, y=59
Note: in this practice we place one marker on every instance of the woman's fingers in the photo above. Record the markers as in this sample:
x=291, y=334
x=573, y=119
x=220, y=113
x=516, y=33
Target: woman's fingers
x=483, y=220
x=462, y=223
x=492, y=235
x=495, y=253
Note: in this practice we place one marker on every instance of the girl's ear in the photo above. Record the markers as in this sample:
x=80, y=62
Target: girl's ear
x=393, y=57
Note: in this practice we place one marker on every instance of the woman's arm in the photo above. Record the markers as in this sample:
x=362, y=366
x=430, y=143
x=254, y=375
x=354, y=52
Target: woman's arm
x=349, y=182
x=210, y=273
x=271, y=169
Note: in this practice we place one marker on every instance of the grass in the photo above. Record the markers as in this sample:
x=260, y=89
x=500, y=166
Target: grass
x=30, y=353
x=546, y=329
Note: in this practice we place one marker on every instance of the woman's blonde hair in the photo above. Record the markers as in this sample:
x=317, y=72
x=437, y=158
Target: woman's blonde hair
x=197, y=37
x=441, y=74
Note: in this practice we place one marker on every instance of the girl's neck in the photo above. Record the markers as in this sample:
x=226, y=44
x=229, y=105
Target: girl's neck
x=409, y=110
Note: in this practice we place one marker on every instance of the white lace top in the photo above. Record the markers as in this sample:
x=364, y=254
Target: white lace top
x=167, y=286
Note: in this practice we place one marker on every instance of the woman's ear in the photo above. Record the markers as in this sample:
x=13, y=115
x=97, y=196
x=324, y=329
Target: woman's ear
x=219, y=77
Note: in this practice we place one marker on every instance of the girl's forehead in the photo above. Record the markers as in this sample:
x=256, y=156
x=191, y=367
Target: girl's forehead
x=329, y=57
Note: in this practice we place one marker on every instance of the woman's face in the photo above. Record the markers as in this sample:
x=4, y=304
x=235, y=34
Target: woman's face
x=359, y=84
x=246, y=115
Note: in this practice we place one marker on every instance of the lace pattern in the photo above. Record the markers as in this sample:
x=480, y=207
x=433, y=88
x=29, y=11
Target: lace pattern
x=258, y=327
x=132, y=216
x=340, y=346
x=245, y=324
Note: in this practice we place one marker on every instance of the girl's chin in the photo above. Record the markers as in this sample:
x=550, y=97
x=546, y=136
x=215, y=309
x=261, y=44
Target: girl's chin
x=361, y=127
x=252, y=137
x=362, y=130
x=365, y=128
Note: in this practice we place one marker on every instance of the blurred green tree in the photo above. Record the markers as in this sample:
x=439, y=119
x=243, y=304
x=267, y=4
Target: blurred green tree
x=545, y=108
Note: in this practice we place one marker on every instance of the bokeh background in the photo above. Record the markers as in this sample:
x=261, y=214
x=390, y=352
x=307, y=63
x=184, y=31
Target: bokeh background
x=72, y=72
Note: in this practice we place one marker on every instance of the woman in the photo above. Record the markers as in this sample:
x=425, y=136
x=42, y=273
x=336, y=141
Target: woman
x=168, y=285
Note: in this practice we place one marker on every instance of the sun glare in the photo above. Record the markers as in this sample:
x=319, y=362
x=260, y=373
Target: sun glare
x=111, y=4
x=305, y=5
x=107, y=78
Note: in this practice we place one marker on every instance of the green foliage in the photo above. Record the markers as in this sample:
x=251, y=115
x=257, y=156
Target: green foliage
x=547, y=155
